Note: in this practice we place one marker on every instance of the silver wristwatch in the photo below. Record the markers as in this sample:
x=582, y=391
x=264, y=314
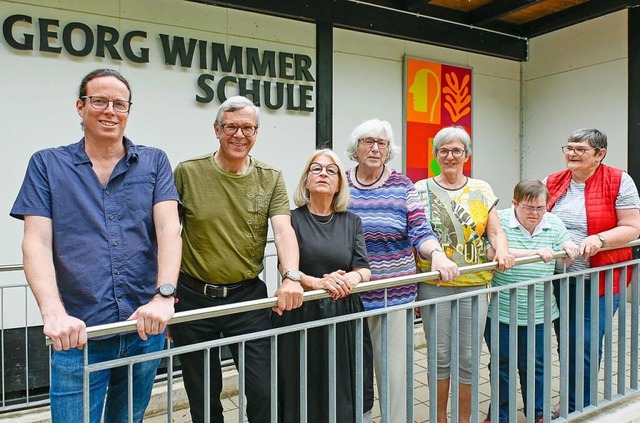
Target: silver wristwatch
x=294, y=275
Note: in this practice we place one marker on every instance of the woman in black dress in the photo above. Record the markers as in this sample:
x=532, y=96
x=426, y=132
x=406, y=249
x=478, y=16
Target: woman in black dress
x=333, y=257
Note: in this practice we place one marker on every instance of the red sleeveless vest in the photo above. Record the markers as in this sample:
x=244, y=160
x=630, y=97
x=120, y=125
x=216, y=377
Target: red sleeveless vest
x=600, y=193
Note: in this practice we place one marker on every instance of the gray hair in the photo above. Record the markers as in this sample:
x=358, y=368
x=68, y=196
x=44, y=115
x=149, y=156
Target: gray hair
x=596, y=139
x=374, y=128
x=234, y=103
x=450, y=134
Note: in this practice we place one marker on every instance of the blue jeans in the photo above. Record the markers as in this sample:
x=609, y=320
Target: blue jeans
x=587, y=337
x=521, y=357
x=67, y=380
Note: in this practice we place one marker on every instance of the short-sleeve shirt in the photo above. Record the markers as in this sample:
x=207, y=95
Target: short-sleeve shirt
x=225, y=218
x=104, y=239
x=551, y=233
x=336, y=244
x=393, y=222
x=459, y=218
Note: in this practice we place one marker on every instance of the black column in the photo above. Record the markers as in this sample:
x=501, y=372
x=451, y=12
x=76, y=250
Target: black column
x=324, y=84
x=633, y=138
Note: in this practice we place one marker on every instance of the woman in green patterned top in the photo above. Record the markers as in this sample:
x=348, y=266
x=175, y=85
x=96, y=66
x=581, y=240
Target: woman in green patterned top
x=463, y=214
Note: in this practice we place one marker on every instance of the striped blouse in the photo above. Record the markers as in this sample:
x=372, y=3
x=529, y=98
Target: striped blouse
x=393, y=221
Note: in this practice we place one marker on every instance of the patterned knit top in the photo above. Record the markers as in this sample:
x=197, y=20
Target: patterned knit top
x=393, y=221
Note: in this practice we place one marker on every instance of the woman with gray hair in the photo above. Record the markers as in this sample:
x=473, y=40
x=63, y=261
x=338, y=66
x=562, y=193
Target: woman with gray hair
x=333, y=257
x=394, y=223
x=599, y=205
x=463, y=214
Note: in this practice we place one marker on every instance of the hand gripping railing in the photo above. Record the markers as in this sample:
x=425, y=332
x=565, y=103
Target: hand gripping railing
x=208, y=312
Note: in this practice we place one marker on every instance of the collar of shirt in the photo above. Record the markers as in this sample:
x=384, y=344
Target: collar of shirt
x=514, y=223
x=80, y=155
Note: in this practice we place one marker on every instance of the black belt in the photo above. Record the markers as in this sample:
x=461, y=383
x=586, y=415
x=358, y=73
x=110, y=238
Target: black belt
x=212, y=290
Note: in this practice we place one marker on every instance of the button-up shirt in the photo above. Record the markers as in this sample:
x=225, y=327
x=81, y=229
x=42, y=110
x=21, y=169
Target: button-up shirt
x=104, y=239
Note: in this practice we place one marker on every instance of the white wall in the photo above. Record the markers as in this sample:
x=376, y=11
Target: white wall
x=575, y=78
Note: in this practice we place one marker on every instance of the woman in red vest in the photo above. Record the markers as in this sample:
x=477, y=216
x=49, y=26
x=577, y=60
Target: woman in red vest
x=600, y=207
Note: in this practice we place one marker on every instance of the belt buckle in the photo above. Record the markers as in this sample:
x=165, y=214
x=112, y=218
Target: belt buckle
x=211, y=290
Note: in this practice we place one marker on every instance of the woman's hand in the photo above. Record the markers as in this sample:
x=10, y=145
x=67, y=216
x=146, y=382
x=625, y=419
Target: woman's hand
x=441, y=263
x=337, y=284
x=590, y=246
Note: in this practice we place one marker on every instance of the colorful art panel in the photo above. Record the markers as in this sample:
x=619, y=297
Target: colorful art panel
x=436, y=96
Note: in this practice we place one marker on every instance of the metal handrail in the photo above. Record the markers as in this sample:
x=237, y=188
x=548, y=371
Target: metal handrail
x=208, y=312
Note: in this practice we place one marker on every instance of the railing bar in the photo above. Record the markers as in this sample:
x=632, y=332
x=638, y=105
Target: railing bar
x=622, y=331
x=455, y=360
x=303, y=375
x=608, y=335
x=130, y=393
x=635, y=327
x=332, y=373
x=359, y=370
x=476, y=336
x=241, y=380
x=207, y=384
x=383, y=389
x=432, y=361
x=410, y=360
x=85, y=385
x=548, y=327
x=274, y=378
x=26, y=345
x=595, y=339
x=513, y=353
x=532, y=355
x=169, y=382
x=494, y=362
x=564, y=346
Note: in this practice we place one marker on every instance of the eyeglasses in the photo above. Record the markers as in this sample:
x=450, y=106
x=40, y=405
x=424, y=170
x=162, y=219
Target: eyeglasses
x=232, y=129
x=579, y=151
x=101, y=103
x=368, y=142
x=316, y=169
x=531, y=210
x=455, y=152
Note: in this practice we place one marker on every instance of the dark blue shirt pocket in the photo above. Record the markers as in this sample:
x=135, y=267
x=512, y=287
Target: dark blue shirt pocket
x=139, y=192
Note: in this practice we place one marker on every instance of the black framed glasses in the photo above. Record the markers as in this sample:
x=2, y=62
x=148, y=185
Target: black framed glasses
x=579, y=151
x=531, y=210
x=455, y=152
x=316, y=168
x=369, y=141
x=232, y=129
x=101, y=103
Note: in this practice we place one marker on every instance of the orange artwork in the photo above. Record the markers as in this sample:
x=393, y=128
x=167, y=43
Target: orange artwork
x=436, y=95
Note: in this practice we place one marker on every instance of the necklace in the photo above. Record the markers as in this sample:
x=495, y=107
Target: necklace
x=320, y=222
x=384, y=167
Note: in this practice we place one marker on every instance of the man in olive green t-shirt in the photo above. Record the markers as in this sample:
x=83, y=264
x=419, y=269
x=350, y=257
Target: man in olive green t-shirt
x=227, y=199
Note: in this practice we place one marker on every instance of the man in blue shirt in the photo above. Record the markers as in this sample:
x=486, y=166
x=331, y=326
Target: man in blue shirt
x=101, y=245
